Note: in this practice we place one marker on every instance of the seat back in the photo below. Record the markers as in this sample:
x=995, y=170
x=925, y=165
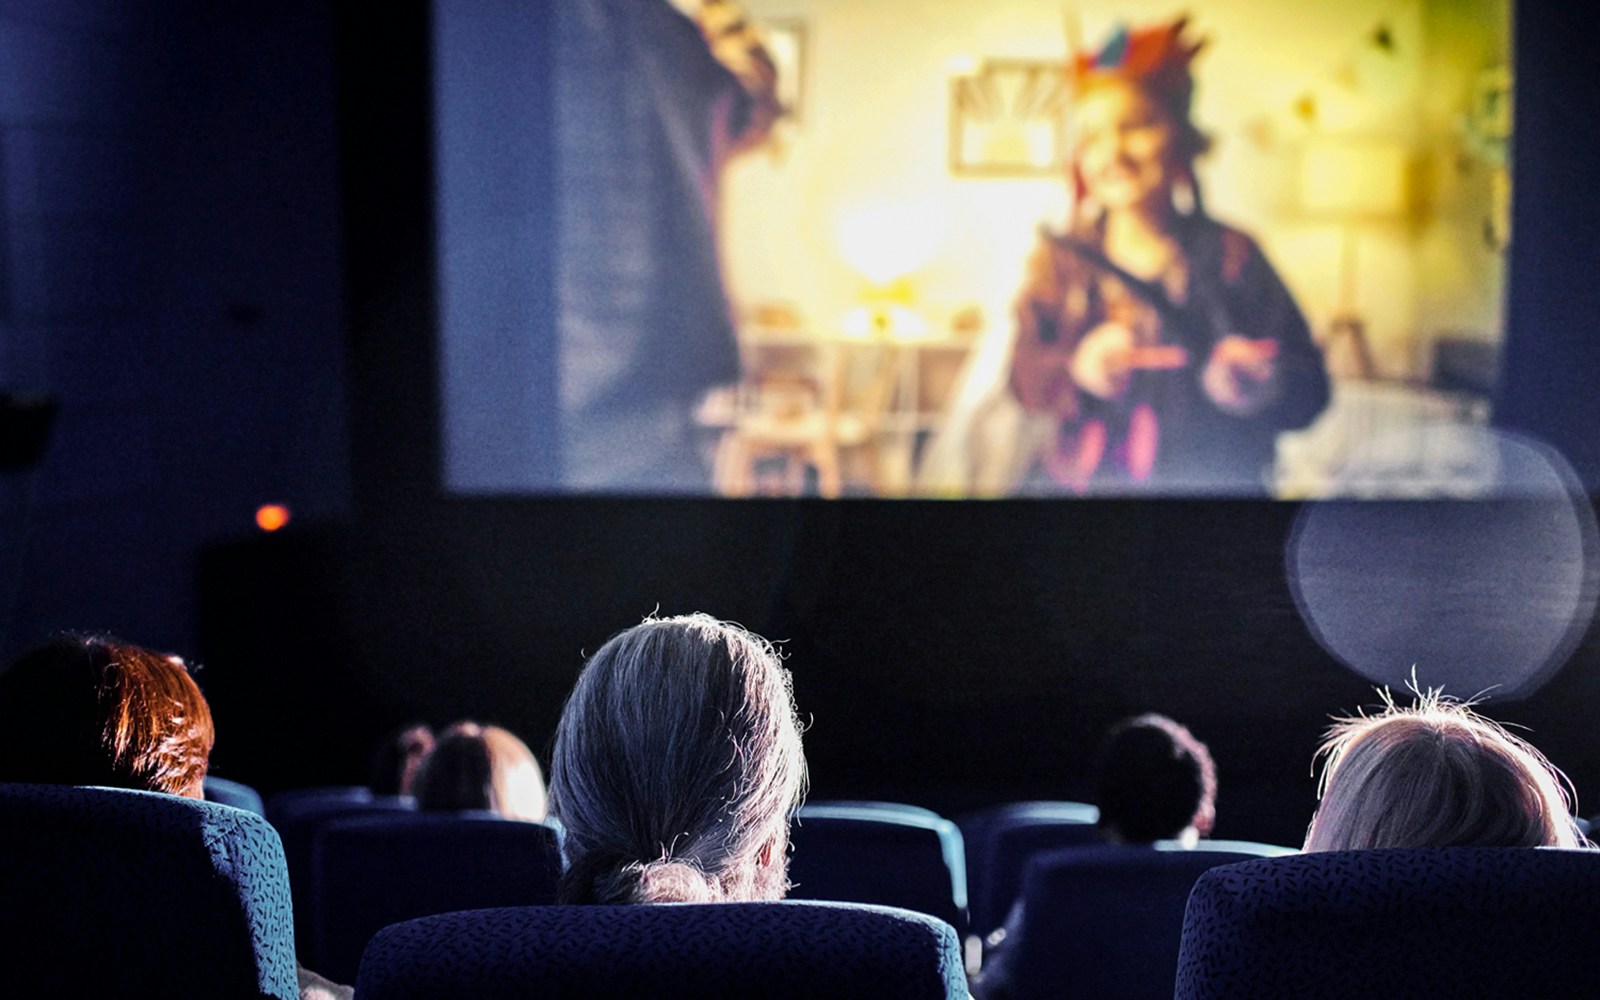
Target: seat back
x=1106, y=921
x=109, y=892
x=297, y=816
x=233, y=793
x=1397, y=923
x=880, y=854
x=667, y=951
x=373, y=870
x=1002, y=839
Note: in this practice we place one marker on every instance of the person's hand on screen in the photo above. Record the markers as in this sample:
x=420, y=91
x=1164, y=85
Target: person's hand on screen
x=1107, y=357
x=1241, y=376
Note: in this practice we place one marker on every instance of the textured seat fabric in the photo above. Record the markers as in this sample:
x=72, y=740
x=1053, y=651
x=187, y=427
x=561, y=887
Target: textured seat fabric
x=880, y=854
x=1434, y=922
x=297, y=816
x=113, y=893
x=371, y=871
x=667, y=951
x=1105, y=921
x=1001, y=840
x=233, y=793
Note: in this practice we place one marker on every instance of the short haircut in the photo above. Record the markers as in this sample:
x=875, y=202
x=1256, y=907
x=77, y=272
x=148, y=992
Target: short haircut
x=1437, y=774
x=96, y=711
x=677, y=767
x=1153, y=780
x=481, y=767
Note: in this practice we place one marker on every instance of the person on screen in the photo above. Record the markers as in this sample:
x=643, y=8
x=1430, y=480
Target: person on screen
x=1436, y=774
x=1159, y=346
x=677, y=768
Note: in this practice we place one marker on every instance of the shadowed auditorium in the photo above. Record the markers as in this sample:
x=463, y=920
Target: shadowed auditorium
x=765, y=498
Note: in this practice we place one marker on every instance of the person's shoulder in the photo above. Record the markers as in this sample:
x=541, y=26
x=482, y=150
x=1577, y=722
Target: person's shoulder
x=1236, y=251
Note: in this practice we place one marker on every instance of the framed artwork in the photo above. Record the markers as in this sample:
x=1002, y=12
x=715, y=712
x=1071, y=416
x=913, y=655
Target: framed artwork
x=1009, y=119
x=786, y=43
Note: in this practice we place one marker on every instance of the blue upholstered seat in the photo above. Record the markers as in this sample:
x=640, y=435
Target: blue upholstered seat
x=1400, y=923
x=668, y=951
x=892, y=856
x=1106, y=921
x=297, y=816
x=113, y=893
x=233, y=793
x=377, y=869
x=1001, y=840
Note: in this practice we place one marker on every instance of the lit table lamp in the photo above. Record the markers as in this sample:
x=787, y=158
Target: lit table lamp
x=1353, y=181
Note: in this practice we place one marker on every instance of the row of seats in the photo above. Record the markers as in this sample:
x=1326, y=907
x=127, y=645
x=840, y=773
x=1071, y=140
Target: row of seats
x=139, y=894
x=359, y=863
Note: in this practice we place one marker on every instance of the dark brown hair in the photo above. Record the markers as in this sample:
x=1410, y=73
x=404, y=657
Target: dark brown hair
x=96, y=711
x=481, y=767
x=1154, y=780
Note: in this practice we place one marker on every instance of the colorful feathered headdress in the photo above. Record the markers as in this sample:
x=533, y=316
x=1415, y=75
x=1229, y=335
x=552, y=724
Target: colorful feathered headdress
x=1157, y=59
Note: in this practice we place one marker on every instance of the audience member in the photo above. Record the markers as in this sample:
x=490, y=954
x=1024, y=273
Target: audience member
x=481, y=767
x=96, y=711
x=1436, y=774
x=92, y=711
x=1154, y=781
x=677, y=767
x=394, y=765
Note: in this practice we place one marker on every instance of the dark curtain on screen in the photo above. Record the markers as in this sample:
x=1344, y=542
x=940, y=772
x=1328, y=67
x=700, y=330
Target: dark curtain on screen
x=644, y=323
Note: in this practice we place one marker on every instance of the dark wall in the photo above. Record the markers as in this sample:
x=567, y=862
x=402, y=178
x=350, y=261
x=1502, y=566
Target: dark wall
x=949, y=654
x=172, y=274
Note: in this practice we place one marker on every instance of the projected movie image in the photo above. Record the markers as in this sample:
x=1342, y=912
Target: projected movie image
x=1019, y=249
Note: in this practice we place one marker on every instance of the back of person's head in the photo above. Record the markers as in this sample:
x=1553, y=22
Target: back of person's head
x=1154, y=781
x=481, y=767
x=1436, y=774
x=95, y=711
x=677, y=767
x=399, y=755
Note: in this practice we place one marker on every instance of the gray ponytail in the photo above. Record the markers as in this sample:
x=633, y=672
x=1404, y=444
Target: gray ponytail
x=677, y=763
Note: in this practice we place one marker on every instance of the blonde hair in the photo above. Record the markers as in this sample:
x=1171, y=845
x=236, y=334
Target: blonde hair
x=472, y=766
x=1436, y=774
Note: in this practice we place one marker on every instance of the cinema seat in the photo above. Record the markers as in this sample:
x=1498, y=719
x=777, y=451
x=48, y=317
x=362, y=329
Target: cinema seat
x=1001, y=840
x=1106, y=921
x=374, y=870
x=297, y=816
x=1399, y=923
x=114, y=893
x=667, y=952
x=233, y=793
x=880, y=853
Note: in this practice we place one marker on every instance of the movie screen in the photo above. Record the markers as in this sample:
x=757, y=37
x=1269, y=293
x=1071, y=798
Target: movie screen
x=1011, y=248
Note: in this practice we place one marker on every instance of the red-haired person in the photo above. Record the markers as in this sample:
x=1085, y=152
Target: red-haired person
x=88, y=710
x=1158, y=345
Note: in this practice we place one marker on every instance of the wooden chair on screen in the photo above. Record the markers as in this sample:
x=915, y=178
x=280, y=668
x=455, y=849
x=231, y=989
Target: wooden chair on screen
x=796, y=417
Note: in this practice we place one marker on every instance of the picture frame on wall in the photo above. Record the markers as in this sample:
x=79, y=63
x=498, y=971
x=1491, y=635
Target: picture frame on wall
x=1008, y=119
